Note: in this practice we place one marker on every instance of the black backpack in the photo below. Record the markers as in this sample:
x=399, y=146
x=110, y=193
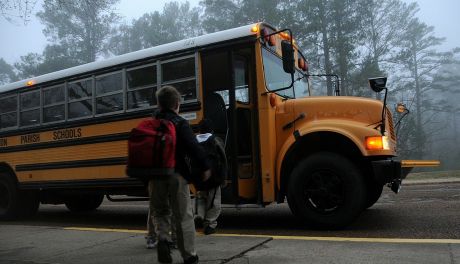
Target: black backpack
x=215, y=149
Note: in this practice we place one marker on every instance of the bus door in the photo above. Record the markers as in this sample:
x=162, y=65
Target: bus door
x=230, y=106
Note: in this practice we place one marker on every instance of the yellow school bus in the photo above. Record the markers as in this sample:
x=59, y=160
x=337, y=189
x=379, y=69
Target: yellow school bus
x=63, y=135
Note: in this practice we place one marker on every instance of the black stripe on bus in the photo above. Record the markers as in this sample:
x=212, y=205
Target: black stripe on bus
x=195, y=106
x=124, y=183
x=66, y=143
x=73, y=142
x=72, y=164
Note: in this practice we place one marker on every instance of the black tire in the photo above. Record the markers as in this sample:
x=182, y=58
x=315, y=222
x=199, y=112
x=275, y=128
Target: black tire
x=15, y=203
x=85, y=203
x=326, y=190
x=374, y=191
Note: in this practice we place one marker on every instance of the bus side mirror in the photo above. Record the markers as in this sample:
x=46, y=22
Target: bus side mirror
x=378, y=84
x=288, y=56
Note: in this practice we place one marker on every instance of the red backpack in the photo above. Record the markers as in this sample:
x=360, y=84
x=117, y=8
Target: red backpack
x=152, y=149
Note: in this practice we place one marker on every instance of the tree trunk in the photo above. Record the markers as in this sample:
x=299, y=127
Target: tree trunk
x=326, y=48
x=418, y=105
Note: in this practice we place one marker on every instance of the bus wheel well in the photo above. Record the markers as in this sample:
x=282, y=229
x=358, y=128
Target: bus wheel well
x=313, y=143
x=14, y=202
x=7, y=171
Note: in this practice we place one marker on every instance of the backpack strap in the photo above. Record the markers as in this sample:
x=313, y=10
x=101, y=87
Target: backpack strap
x=176, y=120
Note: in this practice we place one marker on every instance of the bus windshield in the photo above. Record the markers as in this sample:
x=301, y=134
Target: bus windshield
x=277, y=78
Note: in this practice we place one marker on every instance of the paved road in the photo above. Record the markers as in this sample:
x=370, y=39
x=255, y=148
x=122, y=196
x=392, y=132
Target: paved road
x=419, y=225
x=418, y=211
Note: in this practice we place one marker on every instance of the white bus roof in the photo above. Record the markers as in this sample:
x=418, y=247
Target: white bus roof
x=137, y=55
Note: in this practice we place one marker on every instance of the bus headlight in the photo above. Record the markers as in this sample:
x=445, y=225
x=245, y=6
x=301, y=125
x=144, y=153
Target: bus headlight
x=377, y=143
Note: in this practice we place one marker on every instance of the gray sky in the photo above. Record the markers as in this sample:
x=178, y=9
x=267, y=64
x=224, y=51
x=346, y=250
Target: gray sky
x=19, y=39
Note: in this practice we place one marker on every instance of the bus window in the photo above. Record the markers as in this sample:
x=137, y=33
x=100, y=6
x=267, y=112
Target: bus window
x=80, y=98
x=53, y=104
x=241, y=82
x=276, y=78
x=141, y=83
x=30, y=108
x=187, y=90
x=8, y=112
x=300, y=87
x=109, y=97
x=181, y=74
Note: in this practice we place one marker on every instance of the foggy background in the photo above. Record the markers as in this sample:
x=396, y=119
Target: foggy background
x=414, y=43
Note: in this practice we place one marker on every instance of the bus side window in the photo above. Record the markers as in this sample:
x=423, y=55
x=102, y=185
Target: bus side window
x=181, y=74
x=8, y=112
x=80, y=98
x=241, y=82
x=109, y=96
x=141, y=84
x=53, y=104
x=30, y=108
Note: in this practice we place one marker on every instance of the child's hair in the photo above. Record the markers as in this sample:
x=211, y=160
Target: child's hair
x=168, y=97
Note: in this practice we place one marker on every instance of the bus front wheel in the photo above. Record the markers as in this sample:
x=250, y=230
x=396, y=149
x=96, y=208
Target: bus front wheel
x=16, y=203
x=326, y=190
x=84, y=203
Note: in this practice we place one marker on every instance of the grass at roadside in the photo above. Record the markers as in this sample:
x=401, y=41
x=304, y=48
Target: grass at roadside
x=433, y=175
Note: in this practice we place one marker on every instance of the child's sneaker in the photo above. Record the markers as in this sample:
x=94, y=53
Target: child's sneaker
x=209, y=230
x=151, y=242
x=191, y=260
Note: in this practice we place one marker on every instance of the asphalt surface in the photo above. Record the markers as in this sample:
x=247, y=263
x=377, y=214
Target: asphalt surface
x=419, y=225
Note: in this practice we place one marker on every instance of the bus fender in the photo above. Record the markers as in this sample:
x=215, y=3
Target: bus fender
x=296, y=138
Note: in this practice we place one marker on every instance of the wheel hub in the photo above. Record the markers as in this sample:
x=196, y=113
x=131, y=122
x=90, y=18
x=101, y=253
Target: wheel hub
x=324, y=191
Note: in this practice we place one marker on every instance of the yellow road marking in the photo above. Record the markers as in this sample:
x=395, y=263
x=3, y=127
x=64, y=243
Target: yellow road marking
x=306, y=238
x=352, y=239
x=106, y=230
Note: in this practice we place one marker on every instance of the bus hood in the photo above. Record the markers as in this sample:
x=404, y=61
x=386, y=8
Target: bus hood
x=343, y=108
x=362, y=112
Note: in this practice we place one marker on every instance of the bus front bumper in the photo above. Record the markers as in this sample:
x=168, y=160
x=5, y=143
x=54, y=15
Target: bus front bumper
x=393, y=172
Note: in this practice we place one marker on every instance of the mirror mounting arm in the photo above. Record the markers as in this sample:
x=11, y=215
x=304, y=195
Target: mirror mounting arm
x=382, y=126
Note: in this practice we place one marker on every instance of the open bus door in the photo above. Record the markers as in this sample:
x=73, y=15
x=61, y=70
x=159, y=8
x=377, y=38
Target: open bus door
x=230, y=106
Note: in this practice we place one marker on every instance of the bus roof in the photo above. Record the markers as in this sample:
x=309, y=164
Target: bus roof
x=185, y=44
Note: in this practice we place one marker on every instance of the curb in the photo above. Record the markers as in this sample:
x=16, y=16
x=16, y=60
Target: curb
x=431, y=181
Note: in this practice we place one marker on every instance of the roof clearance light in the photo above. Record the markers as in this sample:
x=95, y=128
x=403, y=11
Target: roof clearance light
x=255, y=29
x=301, y=63
x=285, y=36
x=30, y=83
x=305, y=68
x=377, y=143
x=273, y=101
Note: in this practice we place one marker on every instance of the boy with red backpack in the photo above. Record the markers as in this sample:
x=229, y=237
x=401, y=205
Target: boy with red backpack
x=169, y=180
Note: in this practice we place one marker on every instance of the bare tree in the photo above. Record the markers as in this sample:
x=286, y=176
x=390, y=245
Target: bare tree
x=21, y=10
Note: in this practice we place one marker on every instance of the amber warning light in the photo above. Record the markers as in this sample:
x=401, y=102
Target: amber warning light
x=377, y=143
x=30, y=83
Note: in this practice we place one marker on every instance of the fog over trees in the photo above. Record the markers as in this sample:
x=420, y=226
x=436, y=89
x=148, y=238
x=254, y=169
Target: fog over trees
x=355, y=39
